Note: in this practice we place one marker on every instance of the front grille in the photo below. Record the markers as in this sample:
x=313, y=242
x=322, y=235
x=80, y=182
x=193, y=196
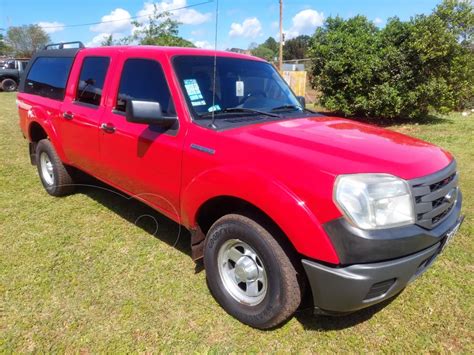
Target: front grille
x=435, y=196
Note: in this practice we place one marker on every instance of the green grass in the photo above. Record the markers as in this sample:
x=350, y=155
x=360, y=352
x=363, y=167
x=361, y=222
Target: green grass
x=80, y=273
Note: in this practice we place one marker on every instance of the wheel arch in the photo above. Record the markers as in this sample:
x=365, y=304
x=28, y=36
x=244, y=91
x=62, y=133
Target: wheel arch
x=204, y=202
x=41, y=129
x=219, y=206
x=36, y=132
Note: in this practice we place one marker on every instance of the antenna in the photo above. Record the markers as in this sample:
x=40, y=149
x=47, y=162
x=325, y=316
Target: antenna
x=282, y=38
x=212, y=125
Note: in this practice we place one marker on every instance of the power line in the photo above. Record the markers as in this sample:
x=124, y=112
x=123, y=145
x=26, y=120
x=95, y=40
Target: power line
x=129, y=18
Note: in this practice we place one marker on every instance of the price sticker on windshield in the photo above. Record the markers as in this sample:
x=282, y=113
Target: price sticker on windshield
x=239, y=88
x=194, y=93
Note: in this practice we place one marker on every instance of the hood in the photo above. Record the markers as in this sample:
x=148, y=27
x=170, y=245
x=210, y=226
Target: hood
x=341, y=146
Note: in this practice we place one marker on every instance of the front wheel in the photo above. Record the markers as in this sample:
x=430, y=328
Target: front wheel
x=249, y=273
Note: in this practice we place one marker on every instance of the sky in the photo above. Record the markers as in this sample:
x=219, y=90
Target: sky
x=240, y=22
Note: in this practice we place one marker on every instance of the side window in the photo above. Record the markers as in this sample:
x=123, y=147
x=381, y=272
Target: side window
x=48, y=77
x=143, y=79
x=91, y=80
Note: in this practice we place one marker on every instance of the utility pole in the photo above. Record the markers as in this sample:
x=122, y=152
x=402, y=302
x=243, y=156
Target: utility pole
x=280, y=54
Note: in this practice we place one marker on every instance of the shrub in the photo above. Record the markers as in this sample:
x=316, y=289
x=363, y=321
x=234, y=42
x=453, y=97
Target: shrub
x=406, y=69
x=346, y=58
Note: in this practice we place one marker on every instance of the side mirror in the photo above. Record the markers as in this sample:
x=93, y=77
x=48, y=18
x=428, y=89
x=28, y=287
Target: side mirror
x=302, y=101
x=90, y=82
x=148, y=112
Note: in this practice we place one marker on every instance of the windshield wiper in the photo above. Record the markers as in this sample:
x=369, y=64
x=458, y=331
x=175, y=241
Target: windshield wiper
x=286, y=107
x=239, y=109
x=291, y=107
x=250, y=110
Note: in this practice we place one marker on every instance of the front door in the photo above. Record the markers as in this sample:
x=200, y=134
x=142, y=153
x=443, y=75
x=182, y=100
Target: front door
x=142, y=159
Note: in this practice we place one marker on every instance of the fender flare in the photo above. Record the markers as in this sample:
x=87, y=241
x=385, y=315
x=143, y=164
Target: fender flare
x=275, y=199
x=38, y=116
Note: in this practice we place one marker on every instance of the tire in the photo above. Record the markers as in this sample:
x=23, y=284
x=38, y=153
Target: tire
x=54, y=176
x=8, y=85
x=267, y=297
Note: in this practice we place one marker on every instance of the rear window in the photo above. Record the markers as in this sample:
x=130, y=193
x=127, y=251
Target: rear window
x=91, y=81
x=48, y=77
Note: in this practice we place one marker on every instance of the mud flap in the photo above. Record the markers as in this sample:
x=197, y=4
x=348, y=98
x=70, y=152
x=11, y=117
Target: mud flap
x=197, y=244
x=32, y=150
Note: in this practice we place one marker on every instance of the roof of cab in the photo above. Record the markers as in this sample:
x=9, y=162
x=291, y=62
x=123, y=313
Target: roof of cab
x=172, y=51
x=135, y=50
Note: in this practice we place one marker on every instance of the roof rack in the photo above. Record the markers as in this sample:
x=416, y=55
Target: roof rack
x=61, y=45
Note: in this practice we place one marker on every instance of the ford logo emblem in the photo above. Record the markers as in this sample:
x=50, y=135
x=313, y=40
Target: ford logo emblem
x=451, y=195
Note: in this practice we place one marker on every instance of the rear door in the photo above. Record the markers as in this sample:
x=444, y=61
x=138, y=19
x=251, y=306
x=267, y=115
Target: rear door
x=83, y=108
x=141, y=159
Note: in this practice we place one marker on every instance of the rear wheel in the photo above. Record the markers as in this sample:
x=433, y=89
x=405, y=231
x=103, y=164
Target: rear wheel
x=8, y=85
x=249, y=273
x=53, y=174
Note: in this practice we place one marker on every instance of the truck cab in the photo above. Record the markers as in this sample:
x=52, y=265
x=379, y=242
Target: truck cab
x=282, y=203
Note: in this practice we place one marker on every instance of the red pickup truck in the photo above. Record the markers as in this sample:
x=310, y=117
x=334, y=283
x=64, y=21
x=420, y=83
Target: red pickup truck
x=281, y=202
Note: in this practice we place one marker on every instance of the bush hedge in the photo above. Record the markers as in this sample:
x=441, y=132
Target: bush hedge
x=406, y=69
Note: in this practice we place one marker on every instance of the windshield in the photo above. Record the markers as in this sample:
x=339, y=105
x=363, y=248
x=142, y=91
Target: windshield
x=244, y=86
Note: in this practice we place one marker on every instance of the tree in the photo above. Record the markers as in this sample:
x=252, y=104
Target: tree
x=111, y=41
x=264, y=53
x=458, y=16
x=4, y=48
x=296, y=48
x=26, y=40
x=108, y=41
x=346, y=60
x=160, y=30
x=268, y=50
x=271, y=44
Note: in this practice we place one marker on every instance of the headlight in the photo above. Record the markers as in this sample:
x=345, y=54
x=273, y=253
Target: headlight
x=374, y=201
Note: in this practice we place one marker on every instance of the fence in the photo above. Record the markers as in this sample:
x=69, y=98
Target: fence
x=296, y=80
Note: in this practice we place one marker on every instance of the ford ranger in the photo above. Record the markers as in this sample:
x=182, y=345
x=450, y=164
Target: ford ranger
x=280, y=201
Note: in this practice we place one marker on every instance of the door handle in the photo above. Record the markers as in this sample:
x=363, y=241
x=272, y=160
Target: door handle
x=68, y=115
x=107, y=128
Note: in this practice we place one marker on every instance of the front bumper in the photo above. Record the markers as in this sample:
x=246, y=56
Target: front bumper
x=356, y=246
x=350, y=288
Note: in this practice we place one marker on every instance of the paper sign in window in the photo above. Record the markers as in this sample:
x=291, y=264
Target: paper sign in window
x=194, y=93
x=214, y=108
x=239, y=88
